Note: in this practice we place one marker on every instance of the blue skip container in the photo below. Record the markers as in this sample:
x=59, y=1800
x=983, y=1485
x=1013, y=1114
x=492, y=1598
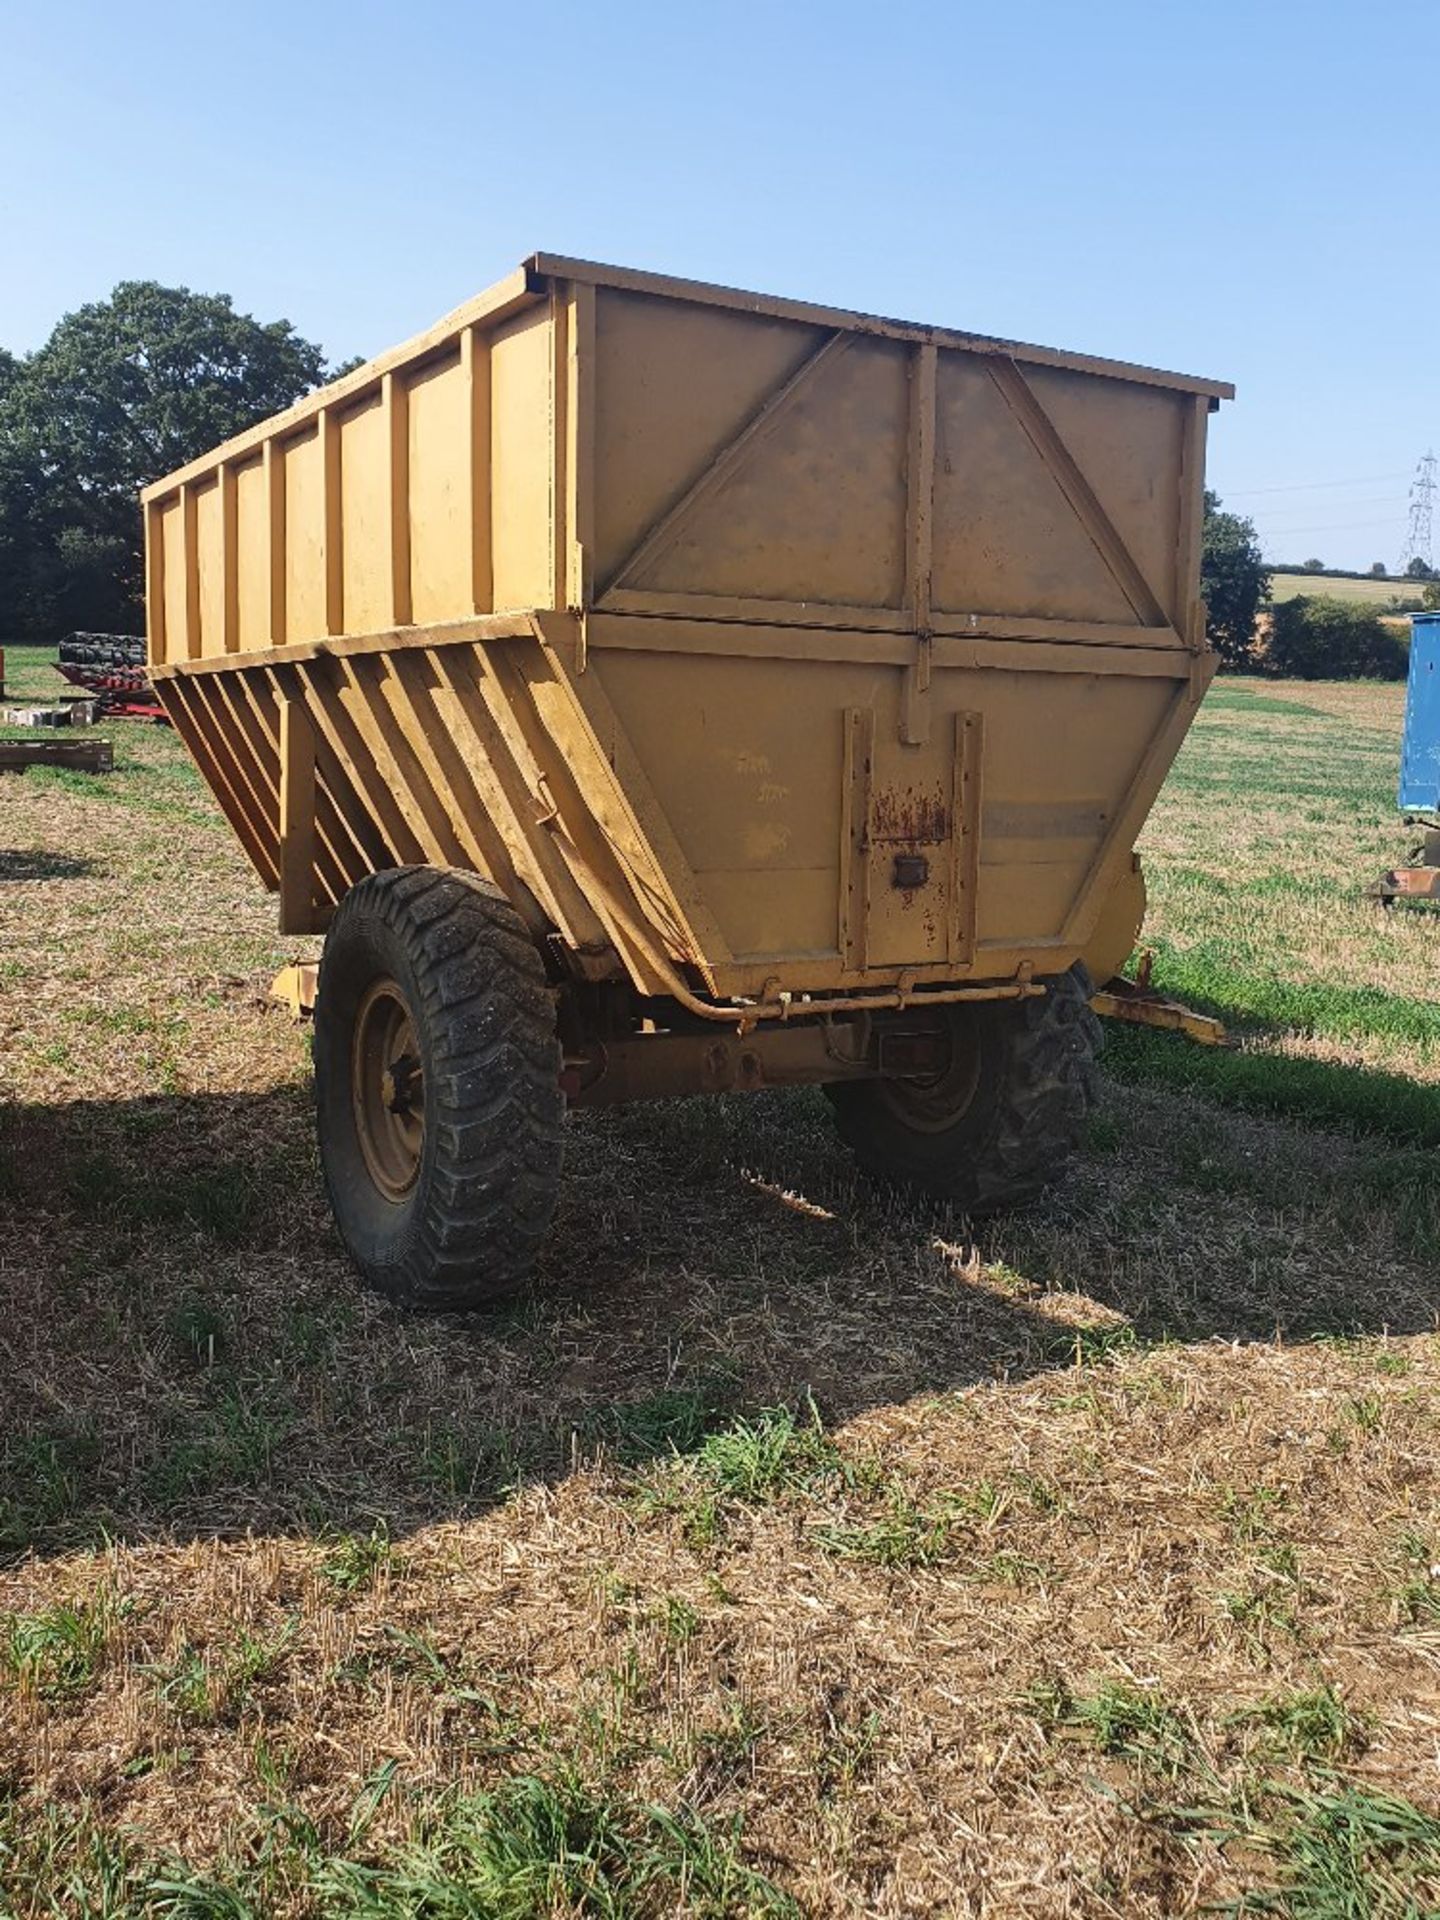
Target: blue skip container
x=1420, y=748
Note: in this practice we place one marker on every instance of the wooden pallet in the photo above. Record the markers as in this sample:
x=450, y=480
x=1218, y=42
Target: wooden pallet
x=84, y=756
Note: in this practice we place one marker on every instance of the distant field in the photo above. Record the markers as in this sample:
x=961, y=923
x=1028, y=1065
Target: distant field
x=1285, y=586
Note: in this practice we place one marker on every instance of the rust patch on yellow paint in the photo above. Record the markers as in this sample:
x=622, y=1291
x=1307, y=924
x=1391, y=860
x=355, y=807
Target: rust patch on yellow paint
x=910, y=816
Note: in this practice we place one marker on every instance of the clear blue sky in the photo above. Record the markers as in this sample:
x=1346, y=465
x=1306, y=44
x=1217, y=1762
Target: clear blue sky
x=1244, y=190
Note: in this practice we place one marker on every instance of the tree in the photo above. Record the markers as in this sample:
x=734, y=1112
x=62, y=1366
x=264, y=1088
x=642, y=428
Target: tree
x=1234, y=580
x=123, y=391
x=1315, y=637
x=1312, y=566
x=1416, y=569
x=1430, y=595
x=1378, y=569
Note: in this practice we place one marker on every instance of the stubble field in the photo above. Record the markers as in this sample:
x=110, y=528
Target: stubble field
x=789, y=1552
x=1376, y=593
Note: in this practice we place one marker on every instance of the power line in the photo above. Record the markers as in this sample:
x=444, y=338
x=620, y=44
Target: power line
x=1334, y=526
x=1269, y=514
x=1328, y=526
x=1310, y=486
x=1419, y=543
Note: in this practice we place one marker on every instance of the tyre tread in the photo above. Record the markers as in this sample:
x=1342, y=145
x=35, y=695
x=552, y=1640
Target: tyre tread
x=1049, y=1083
x=495, y=1067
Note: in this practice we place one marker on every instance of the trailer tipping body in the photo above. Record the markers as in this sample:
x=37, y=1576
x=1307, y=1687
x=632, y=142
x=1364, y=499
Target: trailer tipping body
x=780, y=648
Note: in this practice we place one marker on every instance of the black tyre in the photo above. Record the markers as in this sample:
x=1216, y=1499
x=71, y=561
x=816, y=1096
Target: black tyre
x=1000, y=1122
x=437, y=1087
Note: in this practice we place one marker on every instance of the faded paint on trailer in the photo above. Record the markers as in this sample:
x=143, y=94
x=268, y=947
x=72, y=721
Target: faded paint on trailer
x=745, y=644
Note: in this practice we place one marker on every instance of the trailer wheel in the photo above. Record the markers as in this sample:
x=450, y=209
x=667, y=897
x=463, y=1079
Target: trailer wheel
x=999, y=1124
x=437, y=1087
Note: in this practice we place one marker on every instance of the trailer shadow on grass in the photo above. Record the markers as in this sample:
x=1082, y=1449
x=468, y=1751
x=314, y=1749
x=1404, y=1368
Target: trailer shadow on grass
x=183, y=1351
x=19, y=863
x=1390, y=1106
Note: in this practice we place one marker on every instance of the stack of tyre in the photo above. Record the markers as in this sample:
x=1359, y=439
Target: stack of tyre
x=104, y=651
x=111, y=665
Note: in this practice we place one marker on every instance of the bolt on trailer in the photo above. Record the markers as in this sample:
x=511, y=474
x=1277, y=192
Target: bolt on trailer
x=652, y=688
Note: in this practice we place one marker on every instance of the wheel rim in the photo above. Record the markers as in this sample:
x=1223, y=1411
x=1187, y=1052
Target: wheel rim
x=935, y=1103
x=387, y=1089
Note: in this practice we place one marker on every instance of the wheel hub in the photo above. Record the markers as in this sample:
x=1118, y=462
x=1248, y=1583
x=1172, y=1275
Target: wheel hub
x=400, y=1084
x=931, y=1102
x=387, y=1089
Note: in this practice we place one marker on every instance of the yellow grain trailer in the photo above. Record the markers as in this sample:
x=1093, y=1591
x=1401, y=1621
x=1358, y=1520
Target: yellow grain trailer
x=652, y=688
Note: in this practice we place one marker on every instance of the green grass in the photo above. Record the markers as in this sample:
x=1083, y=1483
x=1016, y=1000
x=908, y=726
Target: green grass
x=543, y=1846
x=749, y=1463
x=220, y=1202
x=1214, y=974
x=153, y=774
x=1277, y=816
x=540, y=1845
x=1317, y=1092
x=204, y=1687
x=1336, y=1852
x=355, y=1561
x=59, y=1652
x=1123, y=1720
x=675, y=1420
x=231, y=1435
x=909, y=1534
x=1253, y=1513
x=1314, y=1847
x=1417, y=1588
x=1228, y=696
x=779, y=1451
x=1314, y=1725
x=30, y=675
x=47, y=1476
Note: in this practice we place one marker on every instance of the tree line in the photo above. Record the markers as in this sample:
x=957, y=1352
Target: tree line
x=123, y=391
x=1309, y=637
